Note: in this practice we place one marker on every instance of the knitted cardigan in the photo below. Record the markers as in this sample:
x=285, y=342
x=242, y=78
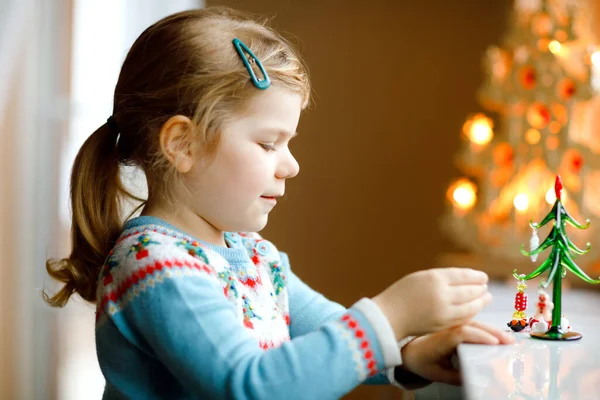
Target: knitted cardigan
x=179, y=318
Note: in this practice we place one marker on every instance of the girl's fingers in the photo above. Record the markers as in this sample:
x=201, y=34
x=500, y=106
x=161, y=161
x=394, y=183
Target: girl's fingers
x=475, y=335
x=466, y=293
x=503, y=337
x=467, y=311
x=465, y=276
x=468, y=333
x=450, y=339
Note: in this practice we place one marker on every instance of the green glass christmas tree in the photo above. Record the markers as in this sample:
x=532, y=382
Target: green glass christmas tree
x=558, y=262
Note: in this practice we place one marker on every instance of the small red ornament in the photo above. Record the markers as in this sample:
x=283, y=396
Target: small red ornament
x=558, y=187
x=521, y=301
x=519, y=319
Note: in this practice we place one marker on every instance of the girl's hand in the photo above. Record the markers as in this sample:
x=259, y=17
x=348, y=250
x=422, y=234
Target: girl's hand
x=430, y=356
x=433, y=300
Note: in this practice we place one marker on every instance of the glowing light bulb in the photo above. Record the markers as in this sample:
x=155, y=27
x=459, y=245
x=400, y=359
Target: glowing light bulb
x=532, y=136
x=596, y=58
x=521, y=202
x=550, y=196
x=481, y=134
x=479, y=129
x=462, y=193
x=554, y=47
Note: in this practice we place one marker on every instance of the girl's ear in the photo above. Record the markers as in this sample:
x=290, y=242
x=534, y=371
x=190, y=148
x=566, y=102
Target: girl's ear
x=177, y=142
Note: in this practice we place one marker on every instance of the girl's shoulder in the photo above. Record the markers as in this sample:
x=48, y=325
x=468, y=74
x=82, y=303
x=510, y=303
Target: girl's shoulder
x=145, y=256
x=145, y=249
x=142, y=241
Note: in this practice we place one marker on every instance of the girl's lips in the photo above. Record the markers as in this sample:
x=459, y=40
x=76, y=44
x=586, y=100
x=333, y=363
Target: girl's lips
x=271, y=199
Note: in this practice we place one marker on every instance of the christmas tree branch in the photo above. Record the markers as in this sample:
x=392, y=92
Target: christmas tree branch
x=564, y=247
x=572, y=220
x=549, y=241
x=545, y=265
x=568, y=263
x=555, y=267
x=551, y=216
x=572, y=246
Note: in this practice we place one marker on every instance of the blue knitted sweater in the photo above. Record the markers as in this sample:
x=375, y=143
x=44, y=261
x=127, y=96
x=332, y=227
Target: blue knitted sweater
x=178, y=318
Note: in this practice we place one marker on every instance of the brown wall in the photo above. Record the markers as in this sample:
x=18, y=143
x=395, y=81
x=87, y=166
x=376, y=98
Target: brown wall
x=393, y=82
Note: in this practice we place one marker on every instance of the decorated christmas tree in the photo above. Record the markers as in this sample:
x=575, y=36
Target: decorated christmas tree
x=536, y=125
x=558, y=262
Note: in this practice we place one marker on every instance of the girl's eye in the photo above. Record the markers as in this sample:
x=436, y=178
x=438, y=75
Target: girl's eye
x=267, y=146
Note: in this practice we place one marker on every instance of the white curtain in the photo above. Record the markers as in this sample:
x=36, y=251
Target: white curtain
x=33, y=112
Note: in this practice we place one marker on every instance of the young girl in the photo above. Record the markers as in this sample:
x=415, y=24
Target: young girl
x=191, y=302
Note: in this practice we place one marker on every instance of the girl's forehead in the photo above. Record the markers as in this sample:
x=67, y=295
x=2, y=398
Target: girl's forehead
x=273, y=108
x=274, y=98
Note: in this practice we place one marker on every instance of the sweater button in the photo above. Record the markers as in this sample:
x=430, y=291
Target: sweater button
x=263, y=248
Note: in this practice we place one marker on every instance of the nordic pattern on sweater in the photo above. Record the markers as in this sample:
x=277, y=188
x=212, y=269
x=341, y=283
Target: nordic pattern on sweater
x=188, y=312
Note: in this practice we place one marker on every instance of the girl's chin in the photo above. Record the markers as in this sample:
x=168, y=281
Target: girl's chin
x=257, y=225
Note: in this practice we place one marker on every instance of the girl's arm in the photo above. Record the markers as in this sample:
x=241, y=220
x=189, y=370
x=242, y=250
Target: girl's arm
x=184, y=320
x=310, y=309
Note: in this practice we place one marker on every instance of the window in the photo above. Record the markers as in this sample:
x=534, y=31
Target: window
x=102, y=34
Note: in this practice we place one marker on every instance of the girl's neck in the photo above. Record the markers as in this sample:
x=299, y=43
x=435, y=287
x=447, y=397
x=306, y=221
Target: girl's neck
x=189, y=222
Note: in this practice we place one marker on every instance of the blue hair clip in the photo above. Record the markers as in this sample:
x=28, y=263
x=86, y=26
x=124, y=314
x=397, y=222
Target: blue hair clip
x=240, y=47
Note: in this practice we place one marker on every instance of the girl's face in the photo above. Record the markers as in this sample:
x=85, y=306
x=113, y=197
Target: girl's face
x=236, y=190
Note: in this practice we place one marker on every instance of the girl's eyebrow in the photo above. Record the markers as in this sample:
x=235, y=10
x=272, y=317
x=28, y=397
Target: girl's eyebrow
x=281, y=132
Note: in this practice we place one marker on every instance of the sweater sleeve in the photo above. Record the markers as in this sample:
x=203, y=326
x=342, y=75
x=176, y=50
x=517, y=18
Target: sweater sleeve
x=310, y=309
x=183, y=320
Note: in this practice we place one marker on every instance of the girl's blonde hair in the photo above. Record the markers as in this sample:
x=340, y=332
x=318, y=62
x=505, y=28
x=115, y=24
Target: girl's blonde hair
x=184, y=64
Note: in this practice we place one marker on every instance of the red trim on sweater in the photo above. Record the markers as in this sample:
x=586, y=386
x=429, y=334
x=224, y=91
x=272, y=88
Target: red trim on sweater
x=365, y=345
x=141, y=274
x=270, y=345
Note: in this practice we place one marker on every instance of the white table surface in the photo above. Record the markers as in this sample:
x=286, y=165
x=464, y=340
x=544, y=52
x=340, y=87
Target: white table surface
x=550, y=370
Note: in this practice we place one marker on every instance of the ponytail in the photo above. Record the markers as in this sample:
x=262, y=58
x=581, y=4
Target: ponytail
x=95, y=189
